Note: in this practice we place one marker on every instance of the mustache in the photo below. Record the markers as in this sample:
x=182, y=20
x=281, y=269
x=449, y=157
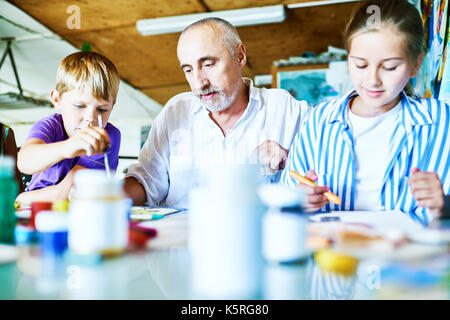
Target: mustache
x=206, y=90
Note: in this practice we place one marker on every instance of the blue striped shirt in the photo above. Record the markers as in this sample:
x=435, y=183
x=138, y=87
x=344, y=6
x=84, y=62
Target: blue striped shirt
x=324, y=285
x=419, y=139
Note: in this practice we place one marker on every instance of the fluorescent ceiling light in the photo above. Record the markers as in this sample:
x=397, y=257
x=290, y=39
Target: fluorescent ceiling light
x=317, y=3
x=238, y=18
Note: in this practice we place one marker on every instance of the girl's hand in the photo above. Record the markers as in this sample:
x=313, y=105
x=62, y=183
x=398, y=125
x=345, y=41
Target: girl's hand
x=89, y=140
x=315, y=198
x=271, y=156
x=426, y=188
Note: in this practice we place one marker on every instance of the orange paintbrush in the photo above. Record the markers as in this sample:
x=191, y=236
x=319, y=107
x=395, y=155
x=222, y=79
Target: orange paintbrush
x=303, y=180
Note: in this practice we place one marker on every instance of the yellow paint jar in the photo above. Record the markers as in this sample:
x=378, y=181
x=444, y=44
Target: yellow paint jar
x=334, y=262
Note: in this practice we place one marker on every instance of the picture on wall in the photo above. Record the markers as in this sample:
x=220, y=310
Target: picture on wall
x=309, y=85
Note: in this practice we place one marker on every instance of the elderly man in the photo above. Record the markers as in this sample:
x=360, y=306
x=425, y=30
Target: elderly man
x=224, y=119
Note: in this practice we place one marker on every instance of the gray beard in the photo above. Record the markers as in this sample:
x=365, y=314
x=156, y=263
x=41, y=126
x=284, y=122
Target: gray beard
x=223, y=103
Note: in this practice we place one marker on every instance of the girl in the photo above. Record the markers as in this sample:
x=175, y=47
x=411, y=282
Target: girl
x=378, y=148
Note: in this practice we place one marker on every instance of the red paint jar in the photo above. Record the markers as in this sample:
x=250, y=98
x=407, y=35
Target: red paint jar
x=35, y=208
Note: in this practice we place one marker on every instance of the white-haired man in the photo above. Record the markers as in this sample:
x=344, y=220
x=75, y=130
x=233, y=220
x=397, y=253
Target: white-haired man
x=224, y=118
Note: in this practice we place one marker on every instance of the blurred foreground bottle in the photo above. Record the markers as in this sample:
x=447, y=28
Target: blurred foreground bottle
x=225, y=233
x=8, y=193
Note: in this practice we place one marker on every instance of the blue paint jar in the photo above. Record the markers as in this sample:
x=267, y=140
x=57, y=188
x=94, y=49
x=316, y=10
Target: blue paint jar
x=52, y=231
x=24, y=235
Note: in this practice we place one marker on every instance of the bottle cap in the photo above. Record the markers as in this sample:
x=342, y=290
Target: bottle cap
x=224, y=176
x=90, y=183
x=278, y=196
x=50, y=221
x=60, y=206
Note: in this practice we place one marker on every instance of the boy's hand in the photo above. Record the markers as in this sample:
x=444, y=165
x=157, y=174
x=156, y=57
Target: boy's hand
x=89, y=141
x=426, y=188
x=314, y=196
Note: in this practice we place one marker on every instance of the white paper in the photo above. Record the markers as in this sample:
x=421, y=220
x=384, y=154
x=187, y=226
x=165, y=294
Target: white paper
x=384, y=221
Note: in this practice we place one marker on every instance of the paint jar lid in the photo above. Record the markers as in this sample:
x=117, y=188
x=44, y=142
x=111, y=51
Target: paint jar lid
x=278, y=196
x=38, y=206
x=51, y=221
x=90, y=184
x=61, y=206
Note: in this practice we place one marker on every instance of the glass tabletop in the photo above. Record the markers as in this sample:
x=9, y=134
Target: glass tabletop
x=168, y=270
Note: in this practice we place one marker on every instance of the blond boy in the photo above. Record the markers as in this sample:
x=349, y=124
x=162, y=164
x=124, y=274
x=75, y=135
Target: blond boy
x=62, y=143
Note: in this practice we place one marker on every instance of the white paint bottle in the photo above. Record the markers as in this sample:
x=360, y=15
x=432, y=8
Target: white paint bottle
x=98, y=214
x=284, y=224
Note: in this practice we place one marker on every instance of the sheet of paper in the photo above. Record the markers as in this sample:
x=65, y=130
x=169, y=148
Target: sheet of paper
x=389, y=224
x=151, y=213
x=172, y=231
x=380, y=220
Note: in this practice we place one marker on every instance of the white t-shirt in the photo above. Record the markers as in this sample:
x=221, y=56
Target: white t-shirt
x=371, y=138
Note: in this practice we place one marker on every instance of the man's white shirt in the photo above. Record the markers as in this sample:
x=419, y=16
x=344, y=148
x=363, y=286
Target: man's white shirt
x=183, y=139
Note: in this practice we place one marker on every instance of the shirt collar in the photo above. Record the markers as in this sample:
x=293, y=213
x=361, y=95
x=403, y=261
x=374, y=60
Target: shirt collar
x=338, y=113
x=413, y=113
x=254, y=95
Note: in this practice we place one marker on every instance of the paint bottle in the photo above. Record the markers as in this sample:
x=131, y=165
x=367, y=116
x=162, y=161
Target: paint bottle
x=52, y=228
x=37, y=207
x=98, y=215
x=284, y=225
x=8, y=193
x=224, y=237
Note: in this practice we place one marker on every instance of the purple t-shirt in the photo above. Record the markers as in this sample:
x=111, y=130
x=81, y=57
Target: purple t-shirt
x=51, y=129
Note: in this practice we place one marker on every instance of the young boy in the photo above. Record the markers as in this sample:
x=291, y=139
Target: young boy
x=60, y=144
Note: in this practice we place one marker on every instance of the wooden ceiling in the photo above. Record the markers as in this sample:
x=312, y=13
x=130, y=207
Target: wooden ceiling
x=150, y=63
